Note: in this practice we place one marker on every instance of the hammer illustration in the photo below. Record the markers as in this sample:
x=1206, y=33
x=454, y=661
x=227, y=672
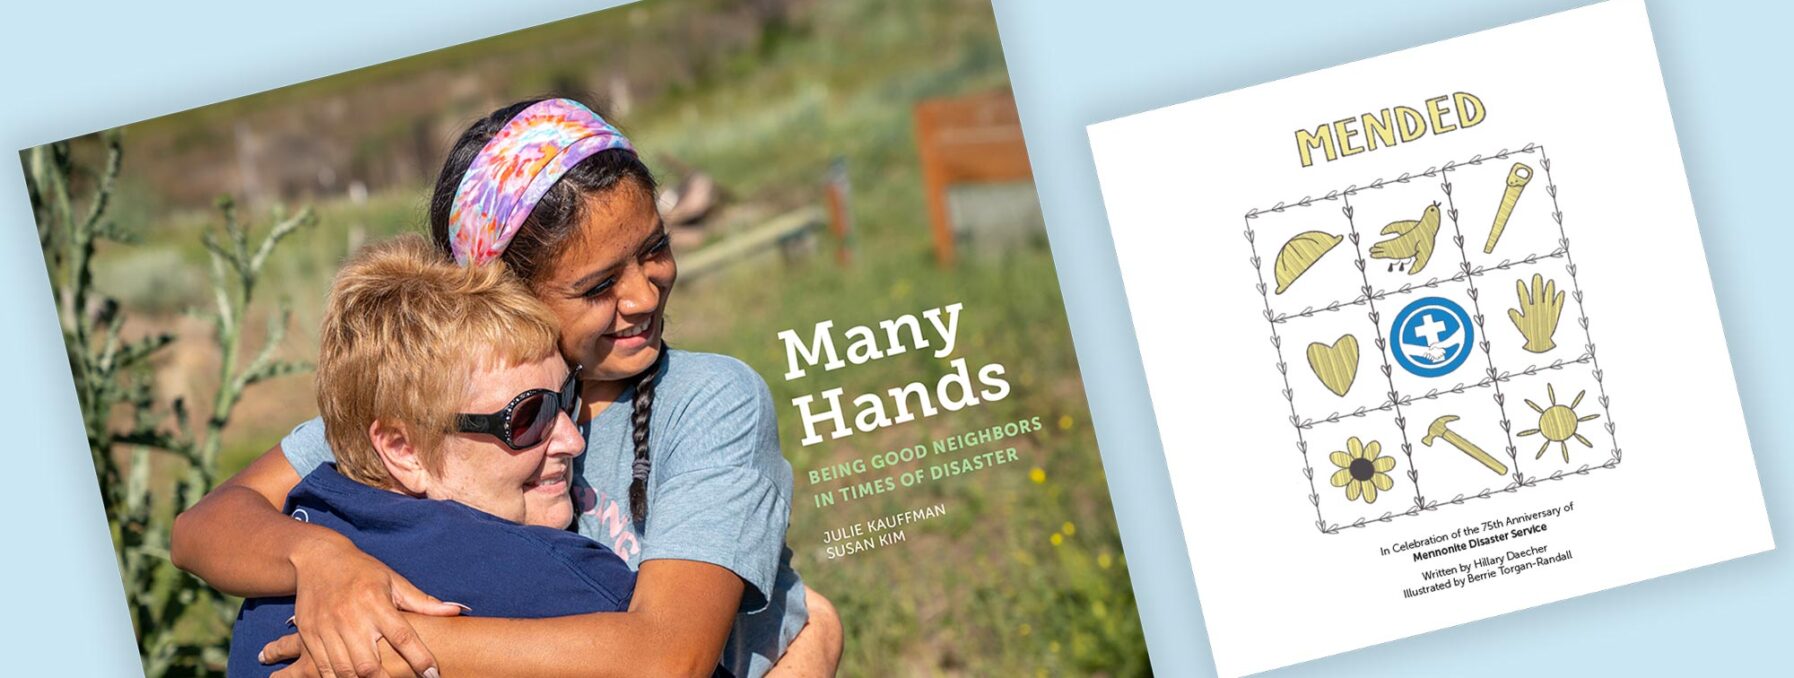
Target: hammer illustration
x=1438, y=430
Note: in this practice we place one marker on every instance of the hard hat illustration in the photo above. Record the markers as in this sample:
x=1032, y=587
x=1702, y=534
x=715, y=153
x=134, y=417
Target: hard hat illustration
x=1300, y=253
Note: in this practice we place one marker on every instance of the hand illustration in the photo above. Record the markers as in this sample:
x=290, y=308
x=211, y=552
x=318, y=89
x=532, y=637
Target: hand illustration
x=1540, y=309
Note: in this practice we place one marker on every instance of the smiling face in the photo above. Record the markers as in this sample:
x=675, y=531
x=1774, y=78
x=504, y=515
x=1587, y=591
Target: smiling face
x=527, y=486
x=609, y=286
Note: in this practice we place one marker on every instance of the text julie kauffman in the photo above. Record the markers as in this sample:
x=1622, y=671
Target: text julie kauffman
x=876, y=533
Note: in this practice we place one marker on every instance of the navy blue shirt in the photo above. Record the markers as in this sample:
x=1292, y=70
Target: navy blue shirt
x=456, y=553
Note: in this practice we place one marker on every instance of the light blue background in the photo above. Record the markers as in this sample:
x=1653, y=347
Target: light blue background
x=79, y=65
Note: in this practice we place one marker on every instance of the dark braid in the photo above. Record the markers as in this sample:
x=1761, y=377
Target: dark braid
x=642, y=410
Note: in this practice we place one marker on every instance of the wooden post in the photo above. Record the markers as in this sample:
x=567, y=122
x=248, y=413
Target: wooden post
x=974, y=138
x=840, y=214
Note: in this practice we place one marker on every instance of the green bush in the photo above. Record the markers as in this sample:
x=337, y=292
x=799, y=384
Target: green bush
x=178, y=619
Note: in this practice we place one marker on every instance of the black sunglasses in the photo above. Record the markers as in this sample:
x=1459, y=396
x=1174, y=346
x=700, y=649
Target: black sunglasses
x=525, y=422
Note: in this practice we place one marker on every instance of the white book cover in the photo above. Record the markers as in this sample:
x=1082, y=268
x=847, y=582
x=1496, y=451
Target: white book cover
x=1430, y=337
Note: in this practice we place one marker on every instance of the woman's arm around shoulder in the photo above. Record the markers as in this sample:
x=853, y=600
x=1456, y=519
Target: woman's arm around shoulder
x=238, y=541
x=676, y=624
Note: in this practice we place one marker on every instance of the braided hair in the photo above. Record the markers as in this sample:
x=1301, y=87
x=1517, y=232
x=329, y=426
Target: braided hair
x=555, y=218
x=641, y=410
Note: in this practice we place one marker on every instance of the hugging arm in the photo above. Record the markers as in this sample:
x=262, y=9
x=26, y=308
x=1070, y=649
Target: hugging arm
x=676, y=625
x=238, y=540
x=816, y=651
x=673, y=628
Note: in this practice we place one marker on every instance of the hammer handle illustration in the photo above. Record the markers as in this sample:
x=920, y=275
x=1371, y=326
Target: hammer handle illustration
x=1475, y=452
x=1517, y=178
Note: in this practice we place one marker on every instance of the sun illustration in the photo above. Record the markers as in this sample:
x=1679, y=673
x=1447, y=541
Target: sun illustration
x=1558, y=423
x=1362, y=471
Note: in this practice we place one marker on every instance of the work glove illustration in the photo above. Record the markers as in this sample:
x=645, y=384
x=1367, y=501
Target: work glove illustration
x=1540, y=308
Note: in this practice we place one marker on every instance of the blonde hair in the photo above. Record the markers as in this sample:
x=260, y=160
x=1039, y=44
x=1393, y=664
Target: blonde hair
x=403, y=331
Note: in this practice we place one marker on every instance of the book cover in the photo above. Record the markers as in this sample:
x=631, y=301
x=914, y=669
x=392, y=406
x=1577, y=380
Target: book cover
x=865, y=413
x=1431, y=337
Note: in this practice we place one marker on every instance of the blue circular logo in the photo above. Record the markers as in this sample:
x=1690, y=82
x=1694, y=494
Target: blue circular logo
x=1431, y=337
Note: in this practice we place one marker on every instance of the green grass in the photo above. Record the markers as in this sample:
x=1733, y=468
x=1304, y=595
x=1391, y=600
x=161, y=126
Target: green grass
x=1025, y=574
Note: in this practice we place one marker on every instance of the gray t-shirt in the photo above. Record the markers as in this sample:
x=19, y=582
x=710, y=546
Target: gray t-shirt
x=719, y=491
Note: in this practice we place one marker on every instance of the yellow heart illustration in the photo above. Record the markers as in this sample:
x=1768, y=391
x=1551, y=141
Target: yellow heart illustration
x=1336, y=365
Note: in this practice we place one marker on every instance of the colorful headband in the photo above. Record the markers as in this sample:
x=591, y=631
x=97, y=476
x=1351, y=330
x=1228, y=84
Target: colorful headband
x=516, y=168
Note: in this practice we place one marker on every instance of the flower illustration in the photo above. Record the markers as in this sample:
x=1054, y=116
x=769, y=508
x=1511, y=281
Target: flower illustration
x=1362, y=471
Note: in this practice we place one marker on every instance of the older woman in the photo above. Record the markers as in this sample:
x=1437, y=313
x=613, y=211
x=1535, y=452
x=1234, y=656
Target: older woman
x=447, y=405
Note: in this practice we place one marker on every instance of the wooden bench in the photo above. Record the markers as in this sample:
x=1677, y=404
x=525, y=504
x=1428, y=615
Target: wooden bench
x=788, y=233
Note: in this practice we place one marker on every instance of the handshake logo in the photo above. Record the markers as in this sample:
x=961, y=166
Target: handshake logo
x=1432, y=337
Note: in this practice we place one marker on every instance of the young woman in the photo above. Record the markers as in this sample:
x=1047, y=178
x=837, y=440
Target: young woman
x=683, y=476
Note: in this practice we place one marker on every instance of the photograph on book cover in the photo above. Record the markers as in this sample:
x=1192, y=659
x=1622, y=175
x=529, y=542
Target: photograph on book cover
x=1437, y=335
x=684, y=334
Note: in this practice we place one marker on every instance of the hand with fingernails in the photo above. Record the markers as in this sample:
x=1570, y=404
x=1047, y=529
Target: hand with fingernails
x=347, y=603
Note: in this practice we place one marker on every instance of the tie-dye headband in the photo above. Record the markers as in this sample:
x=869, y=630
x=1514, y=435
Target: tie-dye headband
x=516, y=168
